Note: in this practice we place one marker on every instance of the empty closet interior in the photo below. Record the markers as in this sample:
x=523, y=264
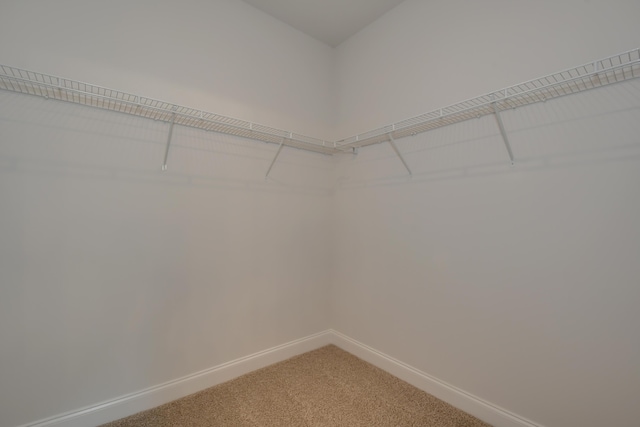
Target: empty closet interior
x=193, y=190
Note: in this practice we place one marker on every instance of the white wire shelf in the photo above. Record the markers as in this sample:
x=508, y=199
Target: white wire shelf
x=614, y=69
x=59, y=88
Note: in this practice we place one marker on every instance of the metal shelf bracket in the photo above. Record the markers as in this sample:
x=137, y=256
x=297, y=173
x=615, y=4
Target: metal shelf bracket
x=395, y=148
x=274, y=159
x=166, y=150
x=503, y=132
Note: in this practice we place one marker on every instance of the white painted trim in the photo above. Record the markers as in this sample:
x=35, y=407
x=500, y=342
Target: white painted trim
x=488, y=412
x=151, y=397
x=157, y=395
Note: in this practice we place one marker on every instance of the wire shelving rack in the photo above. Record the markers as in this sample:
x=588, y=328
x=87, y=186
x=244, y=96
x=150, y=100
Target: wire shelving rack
x=614, y=69
x=603, y=72
x=59, y=88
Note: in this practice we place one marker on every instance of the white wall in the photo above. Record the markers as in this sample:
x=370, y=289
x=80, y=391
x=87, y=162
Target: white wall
x=222, y=56
x=115, y=276
x=516, y=284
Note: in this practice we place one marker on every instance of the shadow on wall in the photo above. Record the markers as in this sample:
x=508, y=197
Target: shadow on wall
x=585, y=129
x=53, y=138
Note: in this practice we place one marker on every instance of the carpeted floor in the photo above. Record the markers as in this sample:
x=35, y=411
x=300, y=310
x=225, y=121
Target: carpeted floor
x=322, y=388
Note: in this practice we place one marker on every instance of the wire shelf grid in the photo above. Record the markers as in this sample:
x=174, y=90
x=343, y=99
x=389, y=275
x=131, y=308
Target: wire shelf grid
x=614, y=69
x=617, y=68
x=52, y=87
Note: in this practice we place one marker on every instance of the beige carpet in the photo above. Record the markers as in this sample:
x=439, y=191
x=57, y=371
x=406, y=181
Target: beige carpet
x=322, y=388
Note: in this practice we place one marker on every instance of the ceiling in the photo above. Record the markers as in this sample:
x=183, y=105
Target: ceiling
x=330, y=21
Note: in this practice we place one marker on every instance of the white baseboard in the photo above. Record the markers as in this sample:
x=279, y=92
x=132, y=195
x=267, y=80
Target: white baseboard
x=469, y=403
x=154, y=396
x=129, y=404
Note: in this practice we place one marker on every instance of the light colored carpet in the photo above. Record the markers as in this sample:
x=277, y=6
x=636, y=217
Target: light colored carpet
x=322, y=388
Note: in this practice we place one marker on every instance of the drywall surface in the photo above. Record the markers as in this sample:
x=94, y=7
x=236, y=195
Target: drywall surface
x=116, y=276
x=424, y=55
x=221, y=56
x=517, y=284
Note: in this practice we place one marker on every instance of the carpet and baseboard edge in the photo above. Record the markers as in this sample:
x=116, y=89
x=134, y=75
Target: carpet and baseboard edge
x=479, y=408
x=157, y=395
x=151, y=397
